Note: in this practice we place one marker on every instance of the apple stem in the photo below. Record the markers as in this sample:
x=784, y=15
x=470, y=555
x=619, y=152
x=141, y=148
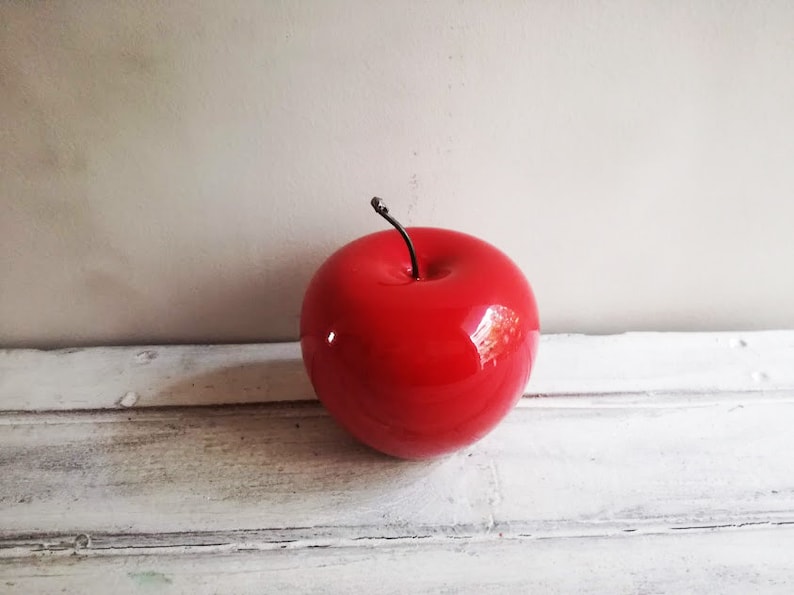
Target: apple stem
x=382, y=210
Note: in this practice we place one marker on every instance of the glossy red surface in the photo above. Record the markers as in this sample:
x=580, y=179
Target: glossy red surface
x=420, y=368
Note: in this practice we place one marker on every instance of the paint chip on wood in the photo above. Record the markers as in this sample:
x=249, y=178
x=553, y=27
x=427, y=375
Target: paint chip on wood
x=144, y=357
x=129, y=399
x=760, y=376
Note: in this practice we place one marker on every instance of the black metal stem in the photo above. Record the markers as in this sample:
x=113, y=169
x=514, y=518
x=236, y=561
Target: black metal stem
x=382, y=210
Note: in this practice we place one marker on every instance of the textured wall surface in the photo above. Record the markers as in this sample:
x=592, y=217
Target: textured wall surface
x=176, y=171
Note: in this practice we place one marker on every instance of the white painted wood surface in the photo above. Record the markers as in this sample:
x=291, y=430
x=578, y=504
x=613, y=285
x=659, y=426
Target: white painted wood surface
x=113, y=377
x=736, y=562
x=674, y=473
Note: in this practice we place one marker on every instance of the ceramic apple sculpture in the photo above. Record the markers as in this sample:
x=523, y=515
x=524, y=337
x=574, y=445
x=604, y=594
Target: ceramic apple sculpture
x=418, y=341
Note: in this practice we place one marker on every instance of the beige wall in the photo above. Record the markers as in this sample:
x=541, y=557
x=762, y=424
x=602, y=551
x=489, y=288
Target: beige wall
x=175, y=171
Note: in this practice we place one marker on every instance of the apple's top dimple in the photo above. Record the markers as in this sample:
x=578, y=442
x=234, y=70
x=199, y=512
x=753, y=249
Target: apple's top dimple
x=434, y=271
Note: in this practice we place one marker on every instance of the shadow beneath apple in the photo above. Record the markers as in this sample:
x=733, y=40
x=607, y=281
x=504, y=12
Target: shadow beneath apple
x=279, y=456
x=253, y=445
x=256, y=382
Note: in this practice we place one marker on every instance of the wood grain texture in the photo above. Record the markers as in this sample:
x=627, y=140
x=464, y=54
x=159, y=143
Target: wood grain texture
x=124, y=377
x=736, y=562
x=287, y=473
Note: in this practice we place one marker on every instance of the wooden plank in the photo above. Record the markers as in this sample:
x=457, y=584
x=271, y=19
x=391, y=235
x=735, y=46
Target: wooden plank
x=661, y=464
x=152, y=376
x=728, y=562
x=123, y=377
x=287, y=473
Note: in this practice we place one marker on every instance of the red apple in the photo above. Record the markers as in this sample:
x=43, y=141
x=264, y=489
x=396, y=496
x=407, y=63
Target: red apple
x=418, y=353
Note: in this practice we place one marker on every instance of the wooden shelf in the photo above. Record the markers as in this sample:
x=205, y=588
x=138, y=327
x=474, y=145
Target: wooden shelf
x=653, y=463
